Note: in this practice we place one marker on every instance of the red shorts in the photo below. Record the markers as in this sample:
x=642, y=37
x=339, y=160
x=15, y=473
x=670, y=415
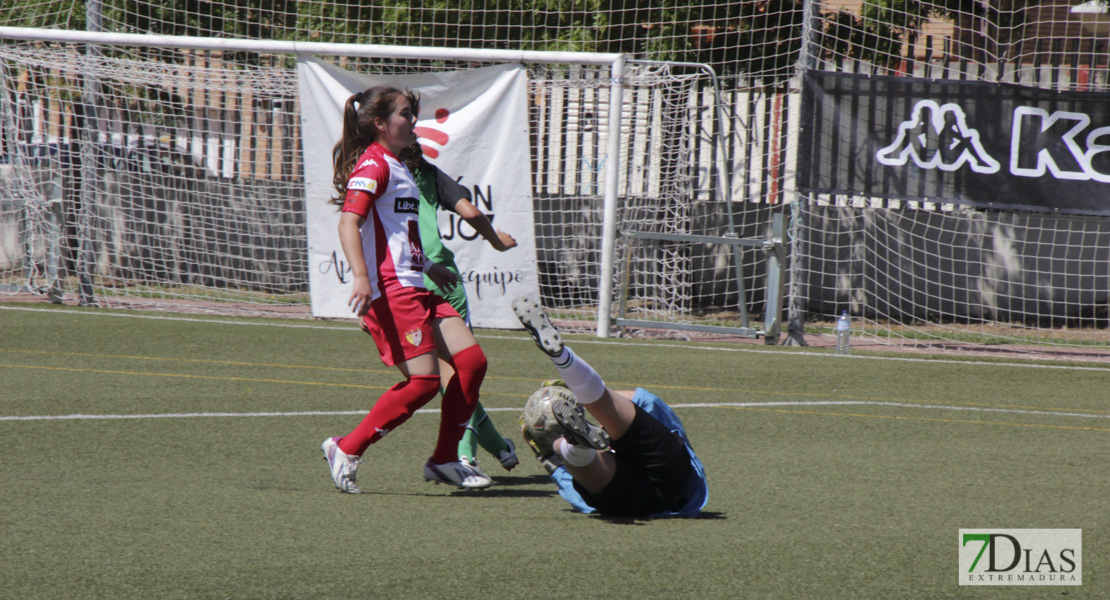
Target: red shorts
x=400, y=321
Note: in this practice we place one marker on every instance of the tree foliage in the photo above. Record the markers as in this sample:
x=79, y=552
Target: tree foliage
x=885, y=29
x=757, y=38
x=55, y=14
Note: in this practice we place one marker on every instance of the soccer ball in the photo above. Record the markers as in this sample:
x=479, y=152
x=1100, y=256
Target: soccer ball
x=537, y=422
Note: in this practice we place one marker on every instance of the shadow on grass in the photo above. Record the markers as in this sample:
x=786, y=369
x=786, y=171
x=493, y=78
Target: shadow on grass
x=528, y=480
x=504, y=487
x=703, y=515
x=508, y=486
x=505, y=493
x=496, y=492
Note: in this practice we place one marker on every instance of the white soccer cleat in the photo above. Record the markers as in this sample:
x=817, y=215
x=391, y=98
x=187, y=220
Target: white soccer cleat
x=458, y=474
x=508, y=457
x=576, y=429
x=534, y=319
x=343, y=466
x=473, y=466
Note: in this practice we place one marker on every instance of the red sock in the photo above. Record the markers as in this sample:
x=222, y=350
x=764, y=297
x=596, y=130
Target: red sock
x=394, y=407
x=459, y=400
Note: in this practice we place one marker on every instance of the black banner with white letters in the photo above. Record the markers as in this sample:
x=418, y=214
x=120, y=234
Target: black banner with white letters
x=988, y=145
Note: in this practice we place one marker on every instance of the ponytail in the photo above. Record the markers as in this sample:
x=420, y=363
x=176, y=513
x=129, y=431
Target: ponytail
x=359, y=132
x=346, y=151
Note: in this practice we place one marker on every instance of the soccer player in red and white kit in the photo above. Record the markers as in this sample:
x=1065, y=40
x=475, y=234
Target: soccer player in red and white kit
x=380, y=235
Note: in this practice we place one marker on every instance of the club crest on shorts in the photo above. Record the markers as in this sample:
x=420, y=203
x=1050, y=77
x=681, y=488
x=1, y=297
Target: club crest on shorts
x=414, y=336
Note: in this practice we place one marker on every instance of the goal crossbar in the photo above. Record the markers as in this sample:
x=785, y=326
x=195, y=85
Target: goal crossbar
x=292, y=47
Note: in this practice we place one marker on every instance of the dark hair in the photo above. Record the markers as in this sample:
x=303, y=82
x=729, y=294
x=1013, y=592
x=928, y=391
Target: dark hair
x=359, y=131
x=412, y=155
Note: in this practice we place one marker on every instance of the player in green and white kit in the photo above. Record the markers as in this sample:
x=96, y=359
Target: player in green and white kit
x=438, y=190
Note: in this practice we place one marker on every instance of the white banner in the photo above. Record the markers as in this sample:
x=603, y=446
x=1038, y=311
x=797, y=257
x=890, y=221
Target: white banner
x=474, y=126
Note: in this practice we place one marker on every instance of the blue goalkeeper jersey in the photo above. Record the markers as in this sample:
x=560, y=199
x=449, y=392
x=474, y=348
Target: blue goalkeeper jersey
x=697, y=491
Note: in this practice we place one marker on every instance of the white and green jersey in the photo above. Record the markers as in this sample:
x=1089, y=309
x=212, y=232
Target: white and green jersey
x=439, y=190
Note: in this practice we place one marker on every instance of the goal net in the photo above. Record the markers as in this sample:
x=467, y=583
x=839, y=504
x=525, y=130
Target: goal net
x=181, y=143
x=178, y=181
x=914, y=263
x=178, y=177
x=676, y=267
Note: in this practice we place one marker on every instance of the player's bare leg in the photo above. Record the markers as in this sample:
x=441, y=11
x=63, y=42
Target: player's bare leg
x=597, y=469
x=614, y=410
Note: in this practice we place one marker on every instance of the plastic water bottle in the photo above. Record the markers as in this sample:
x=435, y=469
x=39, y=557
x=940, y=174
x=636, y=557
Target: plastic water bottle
x=843, y=332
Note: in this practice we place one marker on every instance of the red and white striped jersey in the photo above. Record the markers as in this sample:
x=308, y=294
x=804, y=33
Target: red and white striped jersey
x=391, y=205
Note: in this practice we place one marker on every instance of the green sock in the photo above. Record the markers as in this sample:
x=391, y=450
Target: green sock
x=468, y=445
x=489, y=438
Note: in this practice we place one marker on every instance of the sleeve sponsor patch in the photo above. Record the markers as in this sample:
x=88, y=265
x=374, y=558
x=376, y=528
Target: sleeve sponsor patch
x=362, y=184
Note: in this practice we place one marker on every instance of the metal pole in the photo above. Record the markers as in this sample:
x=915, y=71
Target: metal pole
x=90, y=99
x=796, y=301
x=776, y=264
x=612, y=189
x=320, y=48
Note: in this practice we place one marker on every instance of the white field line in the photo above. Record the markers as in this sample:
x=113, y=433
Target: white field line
x=576, y=341
x=1011, y=411
x=214, y=320
x=110, y=417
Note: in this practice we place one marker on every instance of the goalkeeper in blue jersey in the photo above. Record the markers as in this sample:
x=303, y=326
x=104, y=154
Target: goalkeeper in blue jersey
x=639, y=463
x=438, y=190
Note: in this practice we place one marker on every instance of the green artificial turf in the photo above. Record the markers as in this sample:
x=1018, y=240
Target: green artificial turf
x=830, y=477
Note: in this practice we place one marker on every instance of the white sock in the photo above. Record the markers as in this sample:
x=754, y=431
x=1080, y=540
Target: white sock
x=580, y=377
x=564, y=358
x=576, y=456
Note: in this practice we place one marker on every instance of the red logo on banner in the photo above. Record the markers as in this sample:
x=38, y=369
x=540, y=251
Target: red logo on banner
x=433, y=135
